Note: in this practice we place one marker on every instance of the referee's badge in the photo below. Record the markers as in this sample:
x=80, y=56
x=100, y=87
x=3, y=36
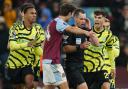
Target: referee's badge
x=78, y=41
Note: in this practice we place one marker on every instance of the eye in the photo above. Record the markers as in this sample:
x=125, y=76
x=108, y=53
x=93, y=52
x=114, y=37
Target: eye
x=99, y=17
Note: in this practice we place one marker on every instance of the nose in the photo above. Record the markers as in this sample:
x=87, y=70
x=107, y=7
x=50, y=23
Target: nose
x=83, y=21
x=35, y=15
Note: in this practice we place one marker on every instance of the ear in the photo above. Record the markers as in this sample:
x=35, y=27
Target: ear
x=69, y=14
x=22, y=14
x=88, y=23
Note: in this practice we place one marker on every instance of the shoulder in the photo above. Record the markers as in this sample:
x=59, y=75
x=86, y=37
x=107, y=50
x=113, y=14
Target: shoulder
x=38, y=26
x=108, y=30
x=115, y=37
x=61, y=22
x=16, y=25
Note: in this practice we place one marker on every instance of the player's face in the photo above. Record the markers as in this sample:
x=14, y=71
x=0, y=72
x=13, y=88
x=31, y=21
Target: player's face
x=80, y=20
x=30, y=15
x=98, y=20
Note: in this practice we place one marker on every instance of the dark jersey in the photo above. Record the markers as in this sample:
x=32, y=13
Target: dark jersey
x=76, y=40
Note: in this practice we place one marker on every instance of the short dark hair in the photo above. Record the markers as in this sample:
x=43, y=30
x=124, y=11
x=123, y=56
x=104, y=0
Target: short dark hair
x=77, y=11
x=26, y=6
x=66, y=8
x=99, y=12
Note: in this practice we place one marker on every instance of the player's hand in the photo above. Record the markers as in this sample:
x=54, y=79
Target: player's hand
x=113, y=73
x=93, y=38
x=85, y=45
x=90, y=33
x=32, y=43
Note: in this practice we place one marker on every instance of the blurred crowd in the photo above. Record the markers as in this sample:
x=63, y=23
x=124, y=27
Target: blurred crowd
x=49, y=9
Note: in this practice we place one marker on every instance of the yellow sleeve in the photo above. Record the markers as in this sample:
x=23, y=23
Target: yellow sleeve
x=13, y=37
x=116, y=47
x=40, y=35
x=114, y=52
x=38, y=51
x=111, y=58
x=109, y=39
x=14, y=45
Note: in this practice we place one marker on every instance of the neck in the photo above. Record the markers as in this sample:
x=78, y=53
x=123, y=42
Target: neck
x=98, y=29
x=27, y=24
x=63, y=18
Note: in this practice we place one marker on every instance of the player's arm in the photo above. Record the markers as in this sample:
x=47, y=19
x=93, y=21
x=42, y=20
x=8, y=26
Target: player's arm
x=93, y=39
x=90, y=34
x=68, y=46
x=62, y=26
x=13, y=44
x=109, y=45
x=38, y=50
x=74, y=48
x=111, y=58
x=40, y=35
x=115, y=51
x=111, y=54
x=112, y=62
x=79, y=31
x=116, y=47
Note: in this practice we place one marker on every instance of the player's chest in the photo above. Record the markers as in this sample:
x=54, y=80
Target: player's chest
x=102, y=37
x=26, y=35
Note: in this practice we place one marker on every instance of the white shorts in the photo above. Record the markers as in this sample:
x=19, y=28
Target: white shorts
x=53, y=74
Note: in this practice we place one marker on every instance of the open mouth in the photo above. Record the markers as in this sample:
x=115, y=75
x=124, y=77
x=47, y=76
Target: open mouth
x=96, y=23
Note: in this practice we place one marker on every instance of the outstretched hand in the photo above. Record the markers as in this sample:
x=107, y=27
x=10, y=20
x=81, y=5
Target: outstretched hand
x=93, y=38
x=32, y=43
x=85, y=45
